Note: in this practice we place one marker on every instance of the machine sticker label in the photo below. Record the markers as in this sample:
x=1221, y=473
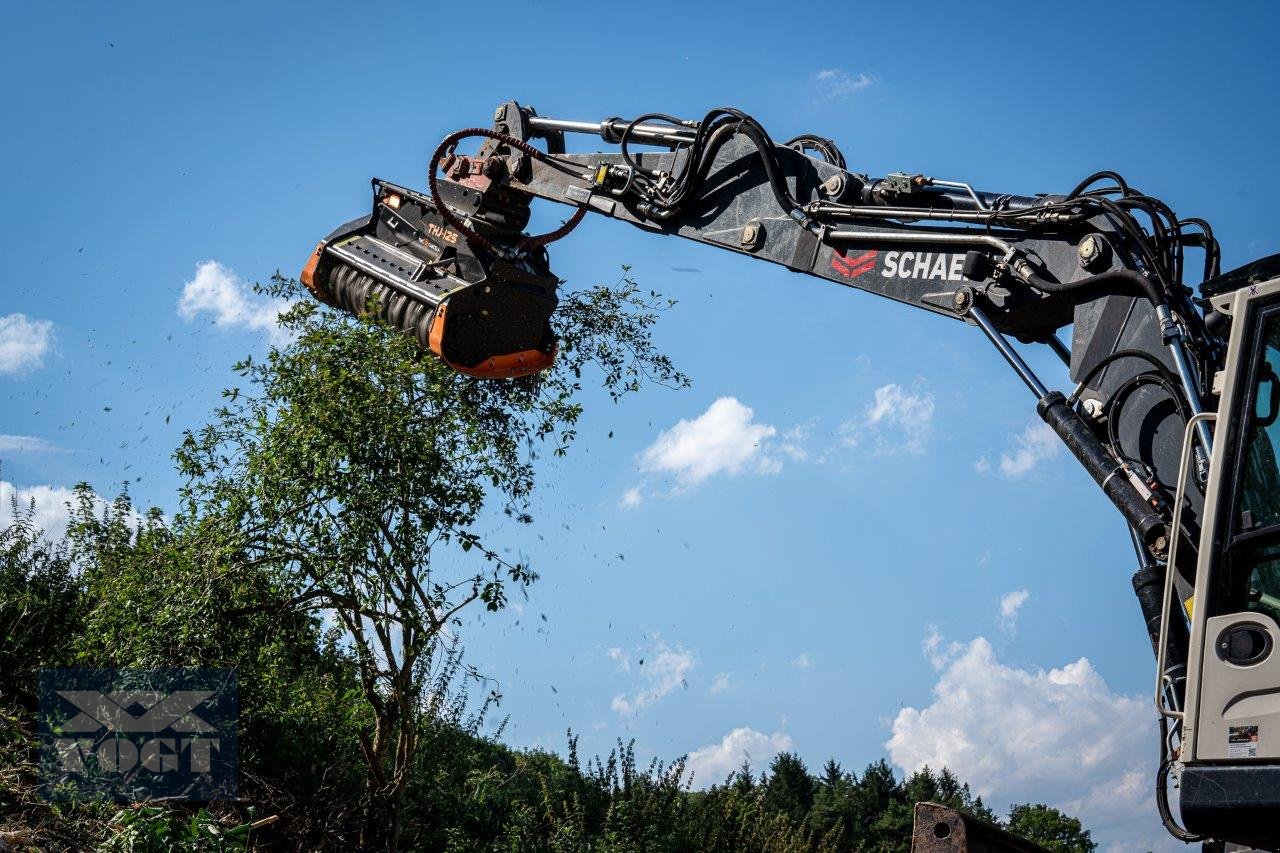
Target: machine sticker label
x=1242, y=742
x=445, y=234
x=943, y=266
x=854, y=267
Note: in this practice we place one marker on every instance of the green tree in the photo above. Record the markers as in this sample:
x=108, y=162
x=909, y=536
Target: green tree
x=1050, y=828
x=789, y=789
x=832, y=814
x=354, y=470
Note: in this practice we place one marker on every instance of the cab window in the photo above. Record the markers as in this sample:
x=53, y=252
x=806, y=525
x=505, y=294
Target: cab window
x=1249, y=572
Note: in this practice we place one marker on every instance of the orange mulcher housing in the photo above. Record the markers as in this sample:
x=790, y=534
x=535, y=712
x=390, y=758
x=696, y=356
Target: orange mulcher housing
x=484, y=314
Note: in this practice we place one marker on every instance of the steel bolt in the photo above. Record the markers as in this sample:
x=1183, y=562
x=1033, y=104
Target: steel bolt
x=1091, y=251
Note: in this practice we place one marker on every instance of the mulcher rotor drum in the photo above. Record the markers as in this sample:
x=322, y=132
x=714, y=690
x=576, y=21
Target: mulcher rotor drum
x=485, y=316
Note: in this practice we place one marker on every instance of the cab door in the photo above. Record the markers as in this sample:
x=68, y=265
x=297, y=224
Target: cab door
x=1231, y=749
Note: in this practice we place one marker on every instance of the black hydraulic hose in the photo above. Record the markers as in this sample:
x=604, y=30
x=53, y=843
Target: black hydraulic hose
x=1162, y=789
x=1124, y=281
x=765, y=147
x=1097, y=176
x=1212, y=252
x=622, y=141
x=781, y=193
x=528, y=243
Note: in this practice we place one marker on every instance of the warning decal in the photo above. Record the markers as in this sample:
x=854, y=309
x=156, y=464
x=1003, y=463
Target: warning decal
x=1242, y=742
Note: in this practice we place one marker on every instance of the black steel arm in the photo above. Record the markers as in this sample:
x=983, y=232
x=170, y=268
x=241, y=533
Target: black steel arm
x=869, y=234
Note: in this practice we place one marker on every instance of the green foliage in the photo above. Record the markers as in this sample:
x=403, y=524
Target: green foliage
x=1050, y=828
x=155, y=829
x=38, y=613
x=789, y=788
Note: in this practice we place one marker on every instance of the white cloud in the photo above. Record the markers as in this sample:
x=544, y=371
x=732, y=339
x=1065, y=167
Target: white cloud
x=51, y=510
x=26, y=444
x=661, y=669
x=23, y=343
x=631, y=498
x=1032, y=446
x=801, y=661
x=838, y=83
x=1010, y=604
x=1060, y=736
x=713, y=763
x=982, y=465
x=720, y=684
x=51, y=513
x=218, y=291
x=723, y=439
x=900, y=419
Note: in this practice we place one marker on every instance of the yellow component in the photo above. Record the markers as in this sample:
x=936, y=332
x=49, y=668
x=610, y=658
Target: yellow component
x=602, y=172
x=1189, y=605
x=392, y=201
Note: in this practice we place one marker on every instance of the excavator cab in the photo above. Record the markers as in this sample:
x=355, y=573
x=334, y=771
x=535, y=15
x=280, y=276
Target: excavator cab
x=1230, y=755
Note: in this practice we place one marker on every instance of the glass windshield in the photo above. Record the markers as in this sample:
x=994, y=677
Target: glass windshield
x=1260, y=483
x=1253, y=562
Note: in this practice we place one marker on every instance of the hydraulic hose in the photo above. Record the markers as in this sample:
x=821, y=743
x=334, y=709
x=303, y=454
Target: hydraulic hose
x=525, y=243
x=1122, y=281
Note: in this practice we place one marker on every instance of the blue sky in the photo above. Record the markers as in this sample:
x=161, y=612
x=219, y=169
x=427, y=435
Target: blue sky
x=874, y=556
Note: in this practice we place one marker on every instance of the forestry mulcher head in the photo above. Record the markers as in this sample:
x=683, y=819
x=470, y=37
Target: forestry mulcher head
x=452, y=269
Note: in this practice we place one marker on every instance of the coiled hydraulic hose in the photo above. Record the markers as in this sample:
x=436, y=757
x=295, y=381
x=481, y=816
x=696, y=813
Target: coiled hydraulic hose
x=525, y=244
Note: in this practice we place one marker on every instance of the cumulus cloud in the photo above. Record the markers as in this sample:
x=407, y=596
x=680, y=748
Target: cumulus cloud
x=723, y=439
x=230, y=301
x=1059, y=736
x=1010, y=604
x=660, y=669
x=23, y=343
x=713, y=763
x=801, y=661
x=838, y=83
x=720, y=684
x=1032, y=446
x=899, y=419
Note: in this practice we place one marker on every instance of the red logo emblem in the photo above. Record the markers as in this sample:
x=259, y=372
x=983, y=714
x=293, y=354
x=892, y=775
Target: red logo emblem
x=854, y=267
